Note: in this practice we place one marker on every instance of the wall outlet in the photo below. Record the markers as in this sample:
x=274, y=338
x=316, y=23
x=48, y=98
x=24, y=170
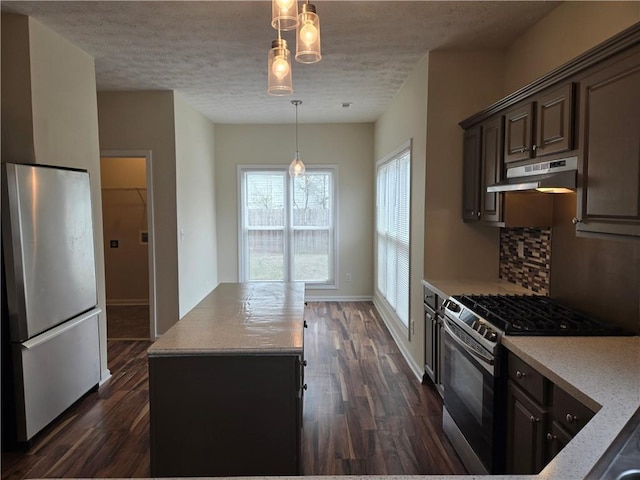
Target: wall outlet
x=347, y=277
x=520, y=249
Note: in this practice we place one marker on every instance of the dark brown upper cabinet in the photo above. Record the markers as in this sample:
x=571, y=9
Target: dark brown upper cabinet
x=518, y=143
x=491, y=159
x=471, y=175
x=609, y=173
x=542, y=127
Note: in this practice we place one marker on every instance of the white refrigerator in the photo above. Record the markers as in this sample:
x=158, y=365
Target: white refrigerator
x=50, y=317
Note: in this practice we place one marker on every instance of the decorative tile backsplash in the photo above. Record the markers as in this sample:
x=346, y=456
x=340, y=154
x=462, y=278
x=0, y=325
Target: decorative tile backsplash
x=525, y=257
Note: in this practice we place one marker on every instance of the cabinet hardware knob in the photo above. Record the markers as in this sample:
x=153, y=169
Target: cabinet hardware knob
x=304, y=363
x=533, y=419
x=305, y=324
x=520, y=374
x=550, y=437
x=429, y=316
x=571, y=418
x=304, y=387
x=478, y=214
x=576, y=220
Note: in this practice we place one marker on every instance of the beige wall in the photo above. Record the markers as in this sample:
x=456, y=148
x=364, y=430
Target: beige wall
x=144, y=121
x=64, y=129
x=567, y=31
x=196, y=206
x=460, y=84
x=124, y=212
x=406, y=119
x=350, y=146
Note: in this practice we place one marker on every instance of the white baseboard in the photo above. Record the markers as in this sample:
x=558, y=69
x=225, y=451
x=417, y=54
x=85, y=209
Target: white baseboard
x=106, y=375
x=344, y=298
x=127, y=302
x=386, y=318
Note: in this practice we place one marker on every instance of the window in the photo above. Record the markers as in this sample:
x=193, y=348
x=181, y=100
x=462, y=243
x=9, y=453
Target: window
x=393, y=194
x=288, y=226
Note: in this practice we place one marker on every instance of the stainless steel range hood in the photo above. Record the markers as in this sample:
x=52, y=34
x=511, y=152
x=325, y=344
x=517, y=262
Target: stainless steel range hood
x=555, y=176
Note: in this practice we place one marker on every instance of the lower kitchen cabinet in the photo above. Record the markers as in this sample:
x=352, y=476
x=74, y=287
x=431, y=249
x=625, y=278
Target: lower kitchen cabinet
x=541, y=418
x=225, y=415
x=433, y=351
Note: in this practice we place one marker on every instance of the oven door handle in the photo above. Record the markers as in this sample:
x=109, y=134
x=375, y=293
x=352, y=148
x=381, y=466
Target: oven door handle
x=466, y=347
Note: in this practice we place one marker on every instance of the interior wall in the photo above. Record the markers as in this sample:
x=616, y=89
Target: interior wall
x=590, y=274
x=124, y=212
x=349, y=146
x=63, y=129
x=406, y=119
x=145, y=121
x=196, y=205
x=460, y=84
x=567, y=31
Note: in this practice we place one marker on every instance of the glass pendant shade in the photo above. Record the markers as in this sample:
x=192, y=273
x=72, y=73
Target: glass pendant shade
x=308, y=35
x=279, y=69
x=296, y=168
x=284, y=14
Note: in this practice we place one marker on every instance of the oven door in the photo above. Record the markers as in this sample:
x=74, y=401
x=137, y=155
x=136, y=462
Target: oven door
x=471, y=388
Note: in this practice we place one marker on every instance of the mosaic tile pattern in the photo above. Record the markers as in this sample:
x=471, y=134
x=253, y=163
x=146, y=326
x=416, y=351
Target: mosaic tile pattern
x=525, y=257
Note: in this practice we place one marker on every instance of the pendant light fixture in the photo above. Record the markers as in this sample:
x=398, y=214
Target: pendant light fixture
x=296, y=168
x=279, y=68
x=284, y=14
x=308, y=35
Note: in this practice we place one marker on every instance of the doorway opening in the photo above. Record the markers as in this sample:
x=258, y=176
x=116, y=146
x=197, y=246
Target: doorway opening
x=127, y=212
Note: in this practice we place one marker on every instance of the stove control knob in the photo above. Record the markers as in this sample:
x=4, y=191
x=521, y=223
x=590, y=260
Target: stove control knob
x=491, y=335
x=482, y=329
x=475, y=325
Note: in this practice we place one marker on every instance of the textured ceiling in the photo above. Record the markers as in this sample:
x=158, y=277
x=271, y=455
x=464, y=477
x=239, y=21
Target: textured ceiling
x=214, y=53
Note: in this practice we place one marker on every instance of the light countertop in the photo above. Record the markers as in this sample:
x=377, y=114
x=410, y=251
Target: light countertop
x=447, y=287
x=247, y=318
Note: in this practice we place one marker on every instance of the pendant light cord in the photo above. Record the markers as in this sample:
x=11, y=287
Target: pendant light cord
x=297, y=127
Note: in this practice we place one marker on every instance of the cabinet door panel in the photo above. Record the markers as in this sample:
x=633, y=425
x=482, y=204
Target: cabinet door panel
x=525, y=432
x=471, y=175
x=519, y=126
x=555, y=121
x=492, y=162
x=609, y=198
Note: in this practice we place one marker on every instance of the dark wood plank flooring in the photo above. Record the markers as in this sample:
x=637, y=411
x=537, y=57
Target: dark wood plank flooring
x=365, y=412
x=128, y=322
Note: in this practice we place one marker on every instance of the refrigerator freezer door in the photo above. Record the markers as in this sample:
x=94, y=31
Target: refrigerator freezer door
x=58, y=367
x=48, y=241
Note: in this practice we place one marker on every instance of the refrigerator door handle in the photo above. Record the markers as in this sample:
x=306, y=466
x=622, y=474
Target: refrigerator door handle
x=54, y=332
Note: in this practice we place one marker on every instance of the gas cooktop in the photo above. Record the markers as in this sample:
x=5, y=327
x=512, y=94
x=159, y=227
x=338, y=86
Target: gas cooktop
x=535, y=315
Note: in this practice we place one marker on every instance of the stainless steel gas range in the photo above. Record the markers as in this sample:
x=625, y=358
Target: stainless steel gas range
x=474, y=376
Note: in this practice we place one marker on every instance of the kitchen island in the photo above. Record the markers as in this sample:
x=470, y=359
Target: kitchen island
x=226, y=383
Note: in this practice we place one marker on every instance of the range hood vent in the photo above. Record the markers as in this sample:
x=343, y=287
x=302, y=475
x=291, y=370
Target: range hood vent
x=555, y=176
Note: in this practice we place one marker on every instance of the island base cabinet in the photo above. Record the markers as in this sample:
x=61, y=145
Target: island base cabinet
x=225, y=415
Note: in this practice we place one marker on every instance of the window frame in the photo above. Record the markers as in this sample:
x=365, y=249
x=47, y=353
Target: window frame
x=289, y=229
x=405, y=149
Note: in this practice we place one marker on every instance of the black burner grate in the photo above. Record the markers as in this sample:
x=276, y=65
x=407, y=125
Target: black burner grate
x=534, y=315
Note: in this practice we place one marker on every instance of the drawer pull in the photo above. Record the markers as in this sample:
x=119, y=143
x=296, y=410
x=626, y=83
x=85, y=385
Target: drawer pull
x=571, y=418
x=520, y=374
x=551, y=438
x=533, y=419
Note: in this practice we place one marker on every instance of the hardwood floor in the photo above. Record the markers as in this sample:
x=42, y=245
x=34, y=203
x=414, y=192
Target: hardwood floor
x=364, y=410
x=128, y=322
